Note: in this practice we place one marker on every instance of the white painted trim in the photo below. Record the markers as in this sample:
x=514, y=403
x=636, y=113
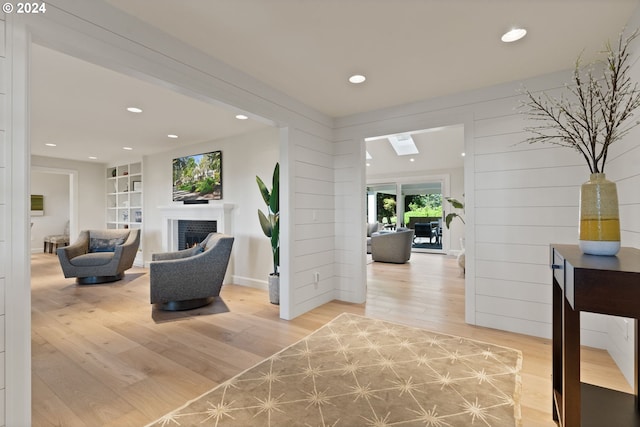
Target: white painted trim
x=213, y=211
x=287, y=311
x=18, y=279
x=73, y=195
x=249, y=282
x=392, y=121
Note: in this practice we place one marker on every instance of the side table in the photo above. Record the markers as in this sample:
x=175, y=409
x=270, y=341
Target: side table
x=597, y=284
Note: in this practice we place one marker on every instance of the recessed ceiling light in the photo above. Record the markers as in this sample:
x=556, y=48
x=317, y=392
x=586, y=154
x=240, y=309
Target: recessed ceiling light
x=241, y=117
x=463, y=154
x=357, y=79
x=513, y=35
x=50, y=144
x=93, y=157
x=172, y=136
x=127, y=148
x=412, y=160
x=368, y=164
x=134, y=110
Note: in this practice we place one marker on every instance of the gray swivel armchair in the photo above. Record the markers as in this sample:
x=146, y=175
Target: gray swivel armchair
x=392, y=247
x=190, y=278
x=100, y=256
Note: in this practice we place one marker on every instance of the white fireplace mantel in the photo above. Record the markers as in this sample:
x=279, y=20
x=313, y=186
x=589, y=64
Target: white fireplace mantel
x=171, y=214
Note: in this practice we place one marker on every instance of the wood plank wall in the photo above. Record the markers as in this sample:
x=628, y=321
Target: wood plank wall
x=4, y=154
x=350, y=202
x=623, y=167
x=313, y=225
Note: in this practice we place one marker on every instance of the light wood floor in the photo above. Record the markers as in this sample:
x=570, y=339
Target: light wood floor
x=103, y=357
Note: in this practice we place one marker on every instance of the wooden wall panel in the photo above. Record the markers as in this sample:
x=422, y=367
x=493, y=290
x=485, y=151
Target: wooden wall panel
x=530, y=216
x=514, y=290
x=5, y=195
x=530, y=159
x=520, y=253
x=523, y=197
x=311, y=246
x=526, y=197
x=514, y=272
x=515, y=324
x=514, y=309
x=313, y=222
x=531, y=178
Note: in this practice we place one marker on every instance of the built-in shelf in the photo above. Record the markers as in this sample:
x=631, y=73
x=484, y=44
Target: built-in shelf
x=125, y=199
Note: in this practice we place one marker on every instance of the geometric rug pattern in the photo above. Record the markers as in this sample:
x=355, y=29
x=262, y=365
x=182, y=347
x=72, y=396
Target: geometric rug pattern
x=357, y=371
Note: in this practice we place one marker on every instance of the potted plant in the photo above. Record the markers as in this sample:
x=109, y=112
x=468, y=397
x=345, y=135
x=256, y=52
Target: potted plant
x=457, y=205
x=270, y=223
x=592, y=116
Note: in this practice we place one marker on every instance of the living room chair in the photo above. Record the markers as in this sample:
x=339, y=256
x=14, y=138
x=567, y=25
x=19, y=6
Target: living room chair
x=100, y=256
x=424, y=230
x=392, y=247
x=190, y=278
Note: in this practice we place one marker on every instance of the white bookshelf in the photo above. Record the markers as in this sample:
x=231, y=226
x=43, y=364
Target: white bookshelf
x=124, y=199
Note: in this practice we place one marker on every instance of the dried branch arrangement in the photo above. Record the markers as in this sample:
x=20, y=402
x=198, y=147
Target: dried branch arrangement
x=595, y=113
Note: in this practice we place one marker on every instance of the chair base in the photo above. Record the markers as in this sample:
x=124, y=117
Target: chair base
x=184, y=305
x=95, y=280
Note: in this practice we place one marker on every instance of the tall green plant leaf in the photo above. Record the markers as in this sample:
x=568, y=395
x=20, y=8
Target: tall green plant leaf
x=263, y=190
x=274, y=200
x=270, y=222
x=265, y=223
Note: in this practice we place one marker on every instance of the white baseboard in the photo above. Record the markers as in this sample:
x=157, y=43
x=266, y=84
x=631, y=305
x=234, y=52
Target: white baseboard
x=249, y=282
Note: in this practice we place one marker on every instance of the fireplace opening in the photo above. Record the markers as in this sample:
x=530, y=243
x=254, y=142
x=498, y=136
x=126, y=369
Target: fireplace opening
x=192, y=232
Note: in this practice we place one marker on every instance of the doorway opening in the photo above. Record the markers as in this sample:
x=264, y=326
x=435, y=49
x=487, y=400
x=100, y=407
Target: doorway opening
x=409, y=175
x=413, y=205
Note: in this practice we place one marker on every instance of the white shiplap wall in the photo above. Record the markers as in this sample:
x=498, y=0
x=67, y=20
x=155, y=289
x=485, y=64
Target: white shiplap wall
x=349, y=203
x=311, y=201
x=520, y=199
x=526, y=197
x=4, y=219
x=623, y=167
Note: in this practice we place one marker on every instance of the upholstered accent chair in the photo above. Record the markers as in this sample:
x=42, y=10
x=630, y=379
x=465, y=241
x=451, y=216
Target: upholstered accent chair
x=100, y=256
x=190, y=278
x=392, y=247
x=372, y=227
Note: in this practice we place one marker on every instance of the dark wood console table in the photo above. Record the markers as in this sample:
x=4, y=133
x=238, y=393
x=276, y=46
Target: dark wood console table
x=597, y=284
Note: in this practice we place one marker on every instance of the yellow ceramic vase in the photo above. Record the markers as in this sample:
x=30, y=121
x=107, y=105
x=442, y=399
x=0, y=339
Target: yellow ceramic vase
x=599, y=218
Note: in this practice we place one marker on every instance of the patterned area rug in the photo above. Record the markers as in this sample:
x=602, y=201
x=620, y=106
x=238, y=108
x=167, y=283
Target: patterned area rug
x=356, y=371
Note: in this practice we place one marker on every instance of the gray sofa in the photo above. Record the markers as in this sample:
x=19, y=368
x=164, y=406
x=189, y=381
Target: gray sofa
x=392, y=247
x=190, y=278
x=100, y=256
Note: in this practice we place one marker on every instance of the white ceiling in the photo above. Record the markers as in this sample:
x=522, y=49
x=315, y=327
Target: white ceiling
x=81, y=108
x=409, y=49
x=439, y=148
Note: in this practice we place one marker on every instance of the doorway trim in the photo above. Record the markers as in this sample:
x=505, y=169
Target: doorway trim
x=73, y=195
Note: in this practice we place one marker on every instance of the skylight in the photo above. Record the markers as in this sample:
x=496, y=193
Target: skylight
x=403, y=144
